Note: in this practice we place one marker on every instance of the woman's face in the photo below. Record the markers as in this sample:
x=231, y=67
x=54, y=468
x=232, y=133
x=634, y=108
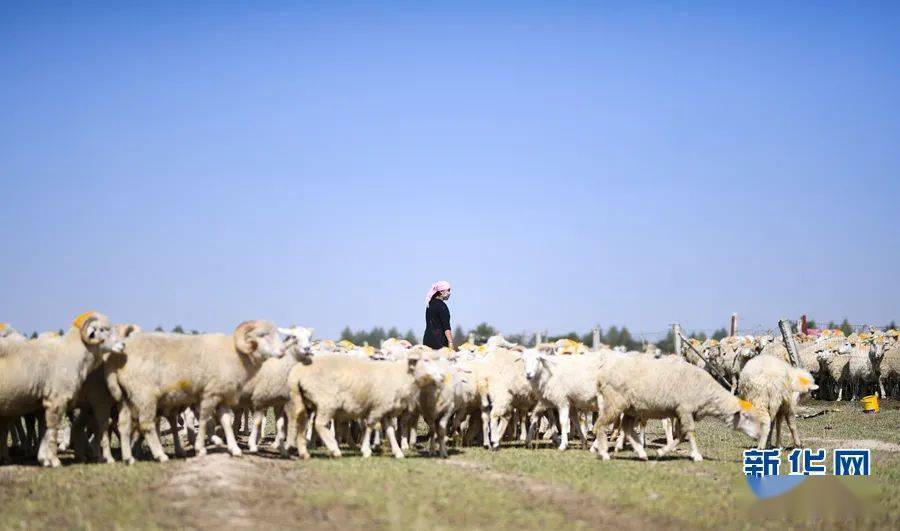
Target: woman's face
x=445, y=294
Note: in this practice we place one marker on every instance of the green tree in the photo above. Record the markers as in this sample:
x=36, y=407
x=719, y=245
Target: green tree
x=483, y=331
x=411, y=337
x=178, y=330
x=810, y=324
x=347, y=333
x=612, y=336
x=393, y=332
x=846, y=328
x=195, y=332
x=667, y=345
x=158, y=329
x=61, y=332
x=831, y=325
x=891, y=326
x=626, y=339
x=459, y=335
x=34, y=335
x=720, y=334
x=698, y=335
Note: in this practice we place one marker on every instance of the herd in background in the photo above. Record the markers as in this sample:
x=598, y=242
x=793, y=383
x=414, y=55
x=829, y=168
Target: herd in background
x=116, y=380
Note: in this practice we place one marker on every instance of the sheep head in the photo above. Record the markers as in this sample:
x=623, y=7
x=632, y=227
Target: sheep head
x=98, y=335
x=747, y=419
x=298, y=341
x=258, y=340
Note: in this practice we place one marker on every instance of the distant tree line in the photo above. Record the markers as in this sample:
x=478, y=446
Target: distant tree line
x=376, y=335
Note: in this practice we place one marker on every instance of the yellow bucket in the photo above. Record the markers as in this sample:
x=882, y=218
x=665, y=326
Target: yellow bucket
x=870, y=404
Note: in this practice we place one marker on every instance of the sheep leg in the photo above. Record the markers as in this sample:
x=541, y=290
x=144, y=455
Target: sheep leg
x=33, y=428
x=601, y=443
x=226, y=419
x=486, y=428
x=764, y=432
x=442, y=433
x=365, y=448
x=563, y=427
x=792, y=425
x=190, y=425
x=667, y=427
x=532, y=426
x=172, y=419
x=297, y=423
x=207, y=408
x=4, y=450
x=53, y=412
x=102, y=419
x=125, y=433
x=881, y=388
x=147, y=421
x=324, y=432
x=498, y=428
x=263, y=425
x=686, y=419
x=628, y=429
x=523, y=428
x=390, y=432
x=582, y=430
x=255, y=425
x=280, y=432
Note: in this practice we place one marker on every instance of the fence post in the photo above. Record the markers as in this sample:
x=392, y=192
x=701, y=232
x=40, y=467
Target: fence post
x=537, y=338
x=789, y=344
x=734, y=325
x=471, y=338
x=596, y=339
x=676, y=329
x=804, y=325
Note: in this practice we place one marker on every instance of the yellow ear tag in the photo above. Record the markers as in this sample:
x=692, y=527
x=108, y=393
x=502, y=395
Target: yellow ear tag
x=803, y=380
x=79, y=321
x=745, y=405
x=3, y=326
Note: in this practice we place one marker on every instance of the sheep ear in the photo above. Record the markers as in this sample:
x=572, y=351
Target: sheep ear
x=285, y=331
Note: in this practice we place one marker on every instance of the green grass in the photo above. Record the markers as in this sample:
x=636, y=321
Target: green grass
x=475, y=489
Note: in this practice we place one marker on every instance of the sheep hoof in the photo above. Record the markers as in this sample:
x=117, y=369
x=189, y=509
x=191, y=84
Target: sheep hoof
x=697, y=458
x=130, y=461
x=399, y=455
x=336, y=453
x=201, y=452
x=304, y=456
x=643, y=457
x=366, y=453
x=163, y=458
x=604, y=457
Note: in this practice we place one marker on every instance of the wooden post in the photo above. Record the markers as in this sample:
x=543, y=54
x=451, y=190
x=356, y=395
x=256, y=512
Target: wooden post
x=734, y=325
x=712, y=369
x=595, y=343
x=676, y=329
x=537, y=338
x=789, y=344
x=804, y=325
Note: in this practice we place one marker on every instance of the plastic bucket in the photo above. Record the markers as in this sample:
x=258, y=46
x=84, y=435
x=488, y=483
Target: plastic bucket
x=870, y=404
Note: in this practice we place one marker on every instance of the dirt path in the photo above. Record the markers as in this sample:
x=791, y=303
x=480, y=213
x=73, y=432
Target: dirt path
x=582, y=508
x=219, y=491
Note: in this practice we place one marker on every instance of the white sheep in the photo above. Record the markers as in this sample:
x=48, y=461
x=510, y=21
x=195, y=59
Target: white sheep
x=565, y=383
x=502, y=384
x=49, y=374
x=643, y=387
x=774, y=386
x=168, y=372
x=345, y=388
x=268, y=387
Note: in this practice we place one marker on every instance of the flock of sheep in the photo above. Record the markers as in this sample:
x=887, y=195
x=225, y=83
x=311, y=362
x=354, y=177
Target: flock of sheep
x=118, y=380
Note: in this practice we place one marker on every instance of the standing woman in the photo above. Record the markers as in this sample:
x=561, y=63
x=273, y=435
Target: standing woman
x=437, y=316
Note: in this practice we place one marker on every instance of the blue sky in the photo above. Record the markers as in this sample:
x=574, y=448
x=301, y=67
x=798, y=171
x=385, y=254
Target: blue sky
x=562, y=166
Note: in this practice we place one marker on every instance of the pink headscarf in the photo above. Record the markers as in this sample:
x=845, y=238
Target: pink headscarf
x=440, y=285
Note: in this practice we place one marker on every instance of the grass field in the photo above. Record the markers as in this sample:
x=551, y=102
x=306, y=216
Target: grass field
x=475, y=488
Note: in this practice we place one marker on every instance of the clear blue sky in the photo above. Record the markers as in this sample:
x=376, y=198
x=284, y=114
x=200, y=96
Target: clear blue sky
x=561, y=165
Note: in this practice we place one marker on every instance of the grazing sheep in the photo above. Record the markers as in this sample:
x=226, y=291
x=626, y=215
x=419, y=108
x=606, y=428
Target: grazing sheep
x=774, y=386
x=49, y=374
x=168, y=372
x=643, y=387
x=566, y=383
x=8, y=332
x=345, y=388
